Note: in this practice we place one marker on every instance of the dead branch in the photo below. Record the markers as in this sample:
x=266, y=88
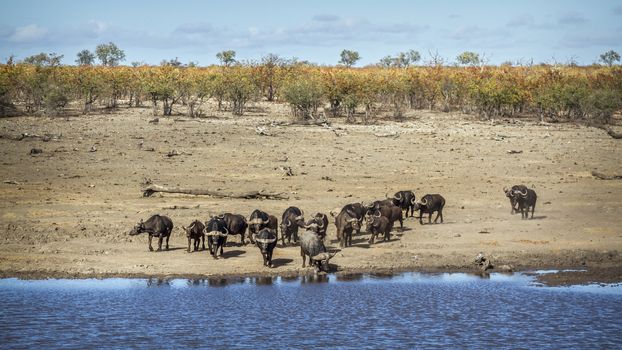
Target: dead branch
x=45, y=137
x=263, y=131
x=175, y=152
x=603, y=176
x=175, y=207
x=150, y=190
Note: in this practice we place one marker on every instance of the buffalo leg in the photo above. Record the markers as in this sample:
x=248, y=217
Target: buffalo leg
x=523, y=215
x=167, y=238
x=270, y=259
x=420, y=217
x=373, y=236
x=203, y=242
x=430, y=217
x=188, y=250
x=302, y=254
x=533, y=208
x=150, y=247
x=159, y=243
x=223, y=244
x=439, y=213
x=210, y=245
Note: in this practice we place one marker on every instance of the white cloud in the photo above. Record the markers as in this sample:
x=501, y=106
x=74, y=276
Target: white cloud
x=27, y=34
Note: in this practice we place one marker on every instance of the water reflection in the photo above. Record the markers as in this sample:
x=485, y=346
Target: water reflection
x=158, y=282
x=350, y=277
x=263, y=280
x=317, y=278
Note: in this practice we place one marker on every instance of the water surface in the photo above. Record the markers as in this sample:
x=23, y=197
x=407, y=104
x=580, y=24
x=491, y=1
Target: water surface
x=361, y=311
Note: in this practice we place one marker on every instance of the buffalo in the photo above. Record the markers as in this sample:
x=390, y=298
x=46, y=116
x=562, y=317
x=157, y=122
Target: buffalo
x=216, y=232
x=312, y=246
x=292, y=219
x=388, y=210
x=196, y=232
x=157, y=226
x=430, y=203
x=266, y=241
x=259, y=220
x=318, y=224
x=510, y=194
x=526, y=199
x=405, y=200
x=347, y=221
x=236, y=225
x=377, y=224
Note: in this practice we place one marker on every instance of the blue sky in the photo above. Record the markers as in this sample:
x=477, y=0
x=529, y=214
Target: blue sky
x=150, y=31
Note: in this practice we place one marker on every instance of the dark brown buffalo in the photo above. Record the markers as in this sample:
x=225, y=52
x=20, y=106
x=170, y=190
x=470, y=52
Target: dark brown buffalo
x=236, y=225
x=388, y=210
x=196, y=232
x=318, y=224
x=430, y=203
x=291, y=220
x=526, y=199
x=266, y=242
x=405, y=200
x=347, y=222
x=378, y=224
x=217, y=233
x=313, y=247
x=157, y=226
x=258, y=220
x=510, y=194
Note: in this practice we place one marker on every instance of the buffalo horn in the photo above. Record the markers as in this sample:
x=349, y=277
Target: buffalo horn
x=265, y=240
x=321, y=256
x=215, y=233
x=399, y=197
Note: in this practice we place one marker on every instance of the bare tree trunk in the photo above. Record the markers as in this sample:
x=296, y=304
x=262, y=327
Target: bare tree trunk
x=147, y=192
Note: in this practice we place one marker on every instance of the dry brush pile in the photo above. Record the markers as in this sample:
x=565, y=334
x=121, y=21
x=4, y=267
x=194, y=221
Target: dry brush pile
x=562, y=93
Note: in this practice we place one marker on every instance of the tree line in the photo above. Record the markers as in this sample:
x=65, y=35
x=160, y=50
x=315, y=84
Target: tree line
x=41, y=85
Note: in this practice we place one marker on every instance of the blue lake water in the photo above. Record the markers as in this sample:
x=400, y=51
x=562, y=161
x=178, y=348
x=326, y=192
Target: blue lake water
x=362, y=311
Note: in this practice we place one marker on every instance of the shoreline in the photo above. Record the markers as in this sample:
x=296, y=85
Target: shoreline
x=552, y=277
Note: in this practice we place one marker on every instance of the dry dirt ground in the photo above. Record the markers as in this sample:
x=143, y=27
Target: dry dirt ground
x=67, y=210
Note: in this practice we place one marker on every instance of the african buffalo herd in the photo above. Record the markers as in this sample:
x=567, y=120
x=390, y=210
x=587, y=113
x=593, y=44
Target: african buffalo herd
x=379, y=216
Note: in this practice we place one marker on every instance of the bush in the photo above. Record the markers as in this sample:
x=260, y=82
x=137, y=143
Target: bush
x=304, y=94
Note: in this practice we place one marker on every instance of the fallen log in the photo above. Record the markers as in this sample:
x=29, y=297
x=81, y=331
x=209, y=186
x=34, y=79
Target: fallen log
x=150, y=190
x=45, y=137
x=603, y=176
